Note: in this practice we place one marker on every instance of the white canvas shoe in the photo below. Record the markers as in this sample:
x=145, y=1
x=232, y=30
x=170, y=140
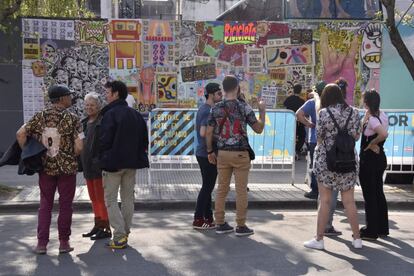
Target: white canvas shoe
x=357, y=243
x=314, y=244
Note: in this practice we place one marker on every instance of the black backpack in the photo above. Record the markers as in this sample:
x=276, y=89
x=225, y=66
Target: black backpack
x=341, y=157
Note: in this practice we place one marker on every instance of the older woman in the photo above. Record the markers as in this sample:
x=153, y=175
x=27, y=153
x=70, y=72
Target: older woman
x=335, y=113
x=91, y=170
x=372, y=165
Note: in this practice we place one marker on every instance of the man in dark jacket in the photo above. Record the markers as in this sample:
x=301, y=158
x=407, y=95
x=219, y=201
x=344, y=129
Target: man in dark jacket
x=123, y=149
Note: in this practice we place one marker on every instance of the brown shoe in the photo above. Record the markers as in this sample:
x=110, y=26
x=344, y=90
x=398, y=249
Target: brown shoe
x=65, y=247
x=40, y=249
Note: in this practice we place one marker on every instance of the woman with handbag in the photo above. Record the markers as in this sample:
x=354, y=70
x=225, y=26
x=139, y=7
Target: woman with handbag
x=372, y=166
x=91, y=170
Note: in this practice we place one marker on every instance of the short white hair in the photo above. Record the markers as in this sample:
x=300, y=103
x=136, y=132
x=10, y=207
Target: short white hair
x=96, y=97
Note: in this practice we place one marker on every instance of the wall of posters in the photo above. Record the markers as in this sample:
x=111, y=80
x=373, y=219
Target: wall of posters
x=168, y=63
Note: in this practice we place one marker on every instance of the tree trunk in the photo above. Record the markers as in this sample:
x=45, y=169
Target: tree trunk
x=395, y=36
x=7, y=13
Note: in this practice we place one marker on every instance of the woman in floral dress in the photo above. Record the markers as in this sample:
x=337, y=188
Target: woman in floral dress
x=328, y=180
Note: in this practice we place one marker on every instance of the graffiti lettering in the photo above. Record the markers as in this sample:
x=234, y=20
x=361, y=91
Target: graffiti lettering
x=240, y=33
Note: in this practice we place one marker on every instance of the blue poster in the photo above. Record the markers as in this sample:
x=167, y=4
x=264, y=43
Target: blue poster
x=173, y=134
x=400, y=142
x=277, y=142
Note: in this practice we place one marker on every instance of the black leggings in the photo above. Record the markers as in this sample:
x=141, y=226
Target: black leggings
x=376, y=211
x=209, y=176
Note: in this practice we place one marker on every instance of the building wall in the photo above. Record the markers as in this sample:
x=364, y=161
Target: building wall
x=11, y=106
x=397, y=86
x=205, y=10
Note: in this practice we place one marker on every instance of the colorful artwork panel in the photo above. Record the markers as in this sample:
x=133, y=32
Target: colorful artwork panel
x=270, y=30
x=288, y=55
x=124, y=29
x=167, y=88
x=147, y=98
x=239, y=33
x=90, y=32
x=210, y=38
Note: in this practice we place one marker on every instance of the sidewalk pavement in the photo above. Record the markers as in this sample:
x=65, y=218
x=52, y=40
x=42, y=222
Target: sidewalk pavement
x=179, y=190
x=164, y=243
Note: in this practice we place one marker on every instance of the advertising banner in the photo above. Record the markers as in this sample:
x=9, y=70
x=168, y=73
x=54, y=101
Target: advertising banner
x=173, y=137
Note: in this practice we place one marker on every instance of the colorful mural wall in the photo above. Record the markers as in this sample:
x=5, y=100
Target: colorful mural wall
x=167, y=63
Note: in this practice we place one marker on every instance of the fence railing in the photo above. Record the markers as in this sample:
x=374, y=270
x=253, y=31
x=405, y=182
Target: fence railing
x=399, y=146
x=173, y=141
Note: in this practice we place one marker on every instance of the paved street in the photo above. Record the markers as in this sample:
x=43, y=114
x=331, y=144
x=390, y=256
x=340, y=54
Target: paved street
x=179, y=189
x=163, y=243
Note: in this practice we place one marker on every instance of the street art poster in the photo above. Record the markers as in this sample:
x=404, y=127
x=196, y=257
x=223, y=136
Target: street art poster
x=124, y=46
x=254, y=60
x=172, y=133
x=199, y=72
x=83, y=69
x=31, y=48
x=370, y=52
x=33, y=91
x=270, y=30
x=210, y=38
x=90, y=32
x=167, y=88
x=48, y=29
x=160, y=48
x=269, y=96
x=188, y=95
x=301, y=36
x=288, y=55
x=339, y=56
x=147, y=98
x=239, y=33
x=279, y=42
x=187, y=40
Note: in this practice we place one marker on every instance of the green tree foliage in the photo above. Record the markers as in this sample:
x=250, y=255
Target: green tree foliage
x=396, y=40
x=11, y=9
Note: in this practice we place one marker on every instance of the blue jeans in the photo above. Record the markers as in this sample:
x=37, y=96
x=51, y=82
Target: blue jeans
x=332, y=208
x=314, y=183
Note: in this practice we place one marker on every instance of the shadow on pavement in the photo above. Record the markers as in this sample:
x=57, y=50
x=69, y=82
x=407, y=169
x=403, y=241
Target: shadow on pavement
x=100, y=260
x=372, y=259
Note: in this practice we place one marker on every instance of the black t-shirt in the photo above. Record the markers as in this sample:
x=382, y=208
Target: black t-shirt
x=293, y=102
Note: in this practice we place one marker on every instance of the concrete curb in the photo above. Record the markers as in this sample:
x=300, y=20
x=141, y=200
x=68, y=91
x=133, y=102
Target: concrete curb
x=8, y=207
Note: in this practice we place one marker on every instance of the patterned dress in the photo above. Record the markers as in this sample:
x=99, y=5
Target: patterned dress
x=326, y=132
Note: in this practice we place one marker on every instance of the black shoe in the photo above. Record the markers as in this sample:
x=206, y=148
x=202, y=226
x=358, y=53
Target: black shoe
x=365, y=236
x=243, y=231
x=311, y=195
x=331, y=231
x=101, y=234
x=91, y=233
x=224, y=228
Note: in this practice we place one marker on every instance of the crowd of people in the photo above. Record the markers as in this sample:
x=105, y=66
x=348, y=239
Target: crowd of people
x=111, y=143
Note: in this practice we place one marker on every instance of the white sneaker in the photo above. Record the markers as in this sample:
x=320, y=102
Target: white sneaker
x=357, y=243
x=314, y=244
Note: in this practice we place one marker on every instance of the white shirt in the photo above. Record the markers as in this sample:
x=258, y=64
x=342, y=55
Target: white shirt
x=130, y=100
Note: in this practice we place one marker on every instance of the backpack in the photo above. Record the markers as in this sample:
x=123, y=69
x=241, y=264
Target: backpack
x=341, y=157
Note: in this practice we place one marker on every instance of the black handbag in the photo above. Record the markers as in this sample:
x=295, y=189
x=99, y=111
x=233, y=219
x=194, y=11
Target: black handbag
x=252, y=155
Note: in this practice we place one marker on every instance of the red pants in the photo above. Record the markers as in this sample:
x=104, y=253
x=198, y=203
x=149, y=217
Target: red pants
x=96, y=194
x=66, y=185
